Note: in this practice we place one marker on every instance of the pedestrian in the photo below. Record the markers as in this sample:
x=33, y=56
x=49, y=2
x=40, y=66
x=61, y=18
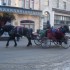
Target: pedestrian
x=48, y=25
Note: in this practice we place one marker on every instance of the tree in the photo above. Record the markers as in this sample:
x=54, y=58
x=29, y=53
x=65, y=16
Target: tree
x=6, y=17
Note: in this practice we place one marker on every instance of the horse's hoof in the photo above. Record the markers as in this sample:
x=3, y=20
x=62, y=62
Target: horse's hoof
x=15, y=45
x=29, y=45
x=6, y=46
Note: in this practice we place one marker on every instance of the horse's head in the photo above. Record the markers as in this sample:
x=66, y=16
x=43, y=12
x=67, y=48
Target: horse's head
x=66, y=28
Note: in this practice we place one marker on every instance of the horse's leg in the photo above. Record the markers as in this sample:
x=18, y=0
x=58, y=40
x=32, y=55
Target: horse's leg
x=8, y=42
x=29, y=41
x=15, y=42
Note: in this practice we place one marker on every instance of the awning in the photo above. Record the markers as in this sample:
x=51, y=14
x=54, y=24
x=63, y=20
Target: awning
x=19, y=10
x=26, y=21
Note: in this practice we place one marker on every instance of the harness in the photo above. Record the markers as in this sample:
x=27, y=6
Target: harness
x=21, y=30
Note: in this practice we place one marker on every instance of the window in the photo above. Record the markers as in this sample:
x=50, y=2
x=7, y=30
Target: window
x=27, y=4
x=9, y=2
x=57, y=19
x=64, y=4
x=57, y=3
x=32, y=4
x=23, y=3
x=46, y=3
x=3, y=2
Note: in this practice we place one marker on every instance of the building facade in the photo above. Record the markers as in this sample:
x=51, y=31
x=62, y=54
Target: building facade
x=56, y=11
x=28, y=4
x=26, y=12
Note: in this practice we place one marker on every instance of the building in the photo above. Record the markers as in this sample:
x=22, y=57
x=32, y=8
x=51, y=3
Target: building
x=56, y=11
x=27, y=12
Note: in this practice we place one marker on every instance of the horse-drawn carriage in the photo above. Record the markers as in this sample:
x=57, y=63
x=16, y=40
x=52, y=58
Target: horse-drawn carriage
x=44, y=38
x=49, y=37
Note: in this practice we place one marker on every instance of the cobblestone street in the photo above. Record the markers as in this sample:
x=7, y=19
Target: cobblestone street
x=33, y=57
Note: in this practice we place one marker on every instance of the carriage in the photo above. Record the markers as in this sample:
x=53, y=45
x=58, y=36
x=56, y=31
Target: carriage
x=57, y=37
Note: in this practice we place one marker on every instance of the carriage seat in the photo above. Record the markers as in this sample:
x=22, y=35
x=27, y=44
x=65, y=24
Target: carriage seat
x=55, y=33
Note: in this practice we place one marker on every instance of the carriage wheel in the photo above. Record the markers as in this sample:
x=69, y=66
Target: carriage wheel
x=56, y=43
x=37, y=41
x=45, y=42
x=66, y=45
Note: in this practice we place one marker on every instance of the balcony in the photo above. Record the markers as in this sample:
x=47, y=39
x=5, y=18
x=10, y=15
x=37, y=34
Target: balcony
x=18, y=10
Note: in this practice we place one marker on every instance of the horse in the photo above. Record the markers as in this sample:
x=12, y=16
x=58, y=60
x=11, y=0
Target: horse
x=16, y=32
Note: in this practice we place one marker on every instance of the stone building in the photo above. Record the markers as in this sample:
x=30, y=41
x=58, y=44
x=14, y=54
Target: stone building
x=56, y=11
x=27, y=12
